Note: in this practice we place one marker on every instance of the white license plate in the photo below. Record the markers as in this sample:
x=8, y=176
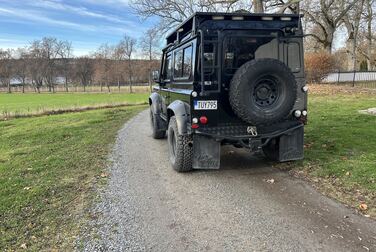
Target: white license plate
x=205, y=105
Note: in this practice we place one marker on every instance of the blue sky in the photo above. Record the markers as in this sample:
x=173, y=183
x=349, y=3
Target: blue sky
x=86, y=23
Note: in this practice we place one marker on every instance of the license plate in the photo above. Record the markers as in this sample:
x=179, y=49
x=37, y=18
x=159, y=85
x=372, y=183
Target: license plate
x=205, y=105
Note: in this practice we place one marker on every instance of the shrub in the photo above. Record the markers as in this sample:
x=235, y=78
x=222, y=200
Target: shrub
x=318, y=65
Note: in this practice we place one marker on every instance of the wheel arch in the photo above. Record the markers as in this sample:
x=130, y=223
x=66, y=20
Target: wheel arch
x=155, y=102
x=181, y=111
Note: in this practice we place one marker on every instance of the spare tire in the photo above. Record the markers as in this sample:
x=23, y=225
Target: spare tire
x=263, y=91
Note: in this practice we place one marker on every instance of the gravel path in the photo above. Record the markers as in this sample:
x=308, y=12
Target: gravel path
x=149, y=207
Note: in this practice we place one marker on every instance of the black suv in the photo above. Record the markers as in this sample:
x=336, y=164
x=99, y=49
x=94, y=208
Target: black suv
x=231, y=78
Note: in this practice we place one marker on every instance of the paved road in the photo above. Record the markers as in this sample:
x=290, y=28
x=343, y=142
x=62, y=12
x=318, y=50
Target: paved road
x=148, y=206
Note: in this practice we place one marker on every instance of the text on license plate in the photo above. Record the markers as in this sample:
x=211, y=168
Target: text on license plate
x=205, y=105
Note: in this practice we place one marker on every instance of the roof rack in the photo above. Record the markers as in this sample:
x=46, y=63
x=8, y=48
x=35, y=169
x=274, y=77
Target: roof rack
x=191, y=24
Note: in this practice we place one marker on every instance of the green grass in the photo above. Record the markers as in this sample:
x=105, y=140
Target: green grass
x=33, y=103
x=340, y=142
x=48, y=166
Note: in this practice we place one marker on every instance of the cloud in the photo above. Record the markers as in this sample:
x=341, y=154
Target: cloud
x=19, y=15
x=58, y=5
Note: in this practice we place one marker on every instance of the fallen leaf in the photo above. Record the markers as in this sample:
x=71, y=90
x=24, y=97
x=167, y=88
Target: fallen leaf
x=104, y=174
x=23, y=246
x=367, y=215
x=347, y=173
x=27, y=188
x=363, y=207
x=270, y=181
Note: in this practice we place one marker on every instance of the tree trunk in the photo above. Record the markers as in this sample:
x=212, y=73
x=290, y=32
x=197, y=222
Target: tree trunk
x=66, y=85
x=101, y=85
x=9, y=88
x=350, y=44
x=23, y=87
x=369, y=35
x=108, y=87
x=118, y=84
x=258, y=6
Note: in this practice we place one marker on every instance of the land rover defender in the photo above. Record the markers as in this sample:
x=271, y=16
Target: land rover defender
x=231, y=78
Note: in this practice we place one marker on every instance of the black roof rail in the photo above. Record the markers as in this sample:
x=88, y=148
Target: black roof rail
x=190, y=24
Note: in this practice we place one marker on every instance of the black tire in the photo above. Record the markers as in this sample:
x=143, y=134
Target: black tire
x=263, y=91
x=271, y=149
x=157, y=133
x=180, y=148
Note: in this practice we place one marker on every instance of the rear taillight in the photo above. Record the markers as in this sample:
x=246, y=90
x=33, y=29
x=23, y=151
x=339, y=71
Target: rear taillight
x=203, y=120
x=195, y=126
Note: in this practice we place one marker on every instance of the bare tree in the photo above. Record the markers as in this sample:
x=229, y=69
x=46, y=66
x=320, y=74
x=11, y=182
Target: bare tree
x=326, y=16
x=37, y=65
x=103, y=65
x=84, y=70
x=21, y=69
x=369, y=17
x=65, y=52
x=173, y=12
x=150, y=46
x=126, y=47
x=352, y=23
x=6, y=68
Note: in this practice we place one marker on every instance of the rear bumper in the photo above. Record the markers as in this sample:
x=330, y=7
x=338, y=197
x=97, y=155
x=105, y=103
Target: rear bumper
x=239, y=133
x=289, y=140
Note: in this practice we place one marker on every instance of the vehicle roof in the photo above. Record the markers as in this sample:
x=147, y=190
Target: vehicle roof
x=208, y=16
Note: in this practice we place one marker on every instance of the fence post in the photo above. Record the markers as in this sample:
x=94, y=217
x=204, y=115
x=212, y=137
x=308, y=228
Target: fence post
x=354, y=78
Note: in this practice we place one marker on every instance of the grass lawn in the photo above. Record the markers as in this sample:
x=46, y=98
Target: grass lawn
x=340, y=147
x=32, y=103
x=48, y=167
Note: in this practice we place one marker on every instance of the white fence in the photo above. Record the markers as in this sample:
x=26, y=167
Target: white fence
x=353, y=77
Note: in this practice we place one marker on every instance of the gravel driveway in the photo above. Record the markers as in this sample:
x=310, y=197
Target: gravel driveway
x=149, y=207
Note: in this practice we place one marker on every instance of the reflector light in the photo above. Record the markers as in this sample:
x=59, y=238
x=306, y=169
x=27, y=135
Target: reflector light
x=305, y=89
x=195, y=120
x=237, y=18
x=203, y=120
x=285, y=18
x=267, y=18
x=218, y=17
x=304, y=113
x=194, y=94
x=195, y=126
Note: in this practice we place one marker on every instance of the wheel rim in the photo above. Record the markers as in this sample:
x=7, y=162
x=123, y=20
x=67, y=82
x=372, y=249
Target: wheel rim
x=266, y=91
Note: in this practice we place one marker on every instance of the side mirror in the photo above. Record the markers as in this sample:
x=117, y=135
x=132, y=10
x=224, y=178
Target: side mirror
x=155, y=75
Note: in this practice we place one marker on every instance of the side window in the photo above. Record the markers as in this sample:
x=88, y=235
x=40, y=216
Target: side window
x=183, y=63
x=187, y=66
x=178, y=68
x=167, y=68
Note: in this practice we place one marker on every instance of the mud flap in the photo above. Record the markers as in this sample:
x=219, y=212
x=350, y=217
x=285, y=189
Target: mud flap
x=291, y=146
x=206, y=153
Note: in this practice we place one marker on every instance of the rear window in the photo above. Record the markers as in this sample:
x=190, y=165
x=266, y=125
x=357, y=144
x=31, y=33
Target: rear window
x=239, y=50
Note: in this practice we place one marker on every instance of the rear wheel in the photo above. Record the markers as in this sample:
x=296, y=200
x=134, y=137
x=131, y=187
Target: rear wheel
x=157, y=133
x=180, y=148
